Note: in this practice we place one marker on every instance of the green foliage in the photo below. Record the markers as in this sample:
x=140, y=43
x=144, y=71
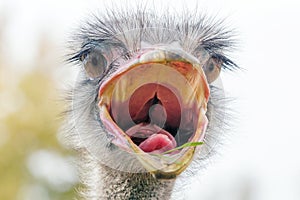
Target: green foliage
x=28, y=122
x=188, y=144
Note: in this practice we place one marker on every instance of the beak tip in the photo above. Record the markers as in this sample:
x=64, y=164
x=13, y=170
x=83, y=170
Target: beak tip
x=162, y=175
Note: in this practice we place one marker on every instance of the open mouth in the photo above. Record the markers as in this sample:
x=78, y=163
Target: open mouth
x=155, y=104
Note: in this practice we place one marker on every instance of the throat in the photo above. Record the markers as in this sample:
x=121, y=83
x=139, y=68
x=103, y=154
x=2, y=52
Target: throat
x=124, y=185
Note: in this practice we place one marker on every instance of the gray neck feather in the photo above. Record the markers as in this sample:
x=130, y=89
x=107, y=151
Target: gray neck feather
x=113, y=184
x=124, y=185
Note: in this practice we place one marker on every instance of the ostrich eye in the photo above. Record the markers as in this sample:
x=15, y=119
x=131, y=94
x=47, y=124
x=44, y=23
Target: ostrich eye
x=212, y=69
x=94, y=63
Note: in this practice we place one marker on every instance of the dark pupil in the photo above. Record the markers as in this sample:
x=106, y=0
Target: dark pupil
x=95, y=61
x=211, y=67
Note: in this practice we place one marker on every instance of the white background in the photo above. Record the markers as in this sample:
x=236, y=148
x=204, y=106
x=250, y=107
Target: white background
x=261, y=158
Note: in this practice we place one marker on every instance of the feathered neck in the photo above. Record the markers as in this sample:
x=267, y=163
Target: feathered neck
x=112, y=184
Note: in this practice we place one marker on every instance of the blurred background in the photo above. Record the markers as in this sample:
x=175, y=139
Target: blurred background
x=260, y=159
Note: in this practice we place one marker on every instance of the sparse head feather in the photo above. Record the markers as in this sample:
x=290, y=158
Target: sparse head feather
x=193, y=30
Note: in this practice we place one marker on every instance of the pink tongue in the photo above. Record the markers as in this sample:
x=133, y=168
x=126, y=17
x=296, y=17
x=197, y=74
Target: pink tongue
x=157, y=143
x=157, y=139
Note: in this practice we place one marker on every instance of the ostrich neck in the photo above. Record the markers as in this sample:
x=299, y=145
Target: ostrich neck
x=114, y=184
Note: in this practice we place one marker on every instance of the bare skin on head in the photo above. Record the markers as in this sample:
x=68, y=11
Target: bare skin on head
x=145, y=100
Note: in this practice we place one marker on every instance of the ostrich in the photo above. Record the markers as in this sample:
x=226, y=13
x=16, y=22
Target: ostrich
x=146, y=109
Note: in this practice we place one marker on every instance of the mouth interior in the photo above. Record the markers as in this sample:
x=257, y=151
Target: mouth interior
x=156, y=116
x=156, y=112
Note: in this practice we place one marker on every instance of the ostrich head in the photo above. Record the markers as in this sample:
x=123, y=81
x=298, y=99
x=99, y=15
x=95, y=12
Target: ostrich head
x=145, y=105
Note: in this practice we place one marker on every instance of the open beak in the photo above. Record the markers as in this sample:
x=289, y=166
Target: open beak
x=154, y=104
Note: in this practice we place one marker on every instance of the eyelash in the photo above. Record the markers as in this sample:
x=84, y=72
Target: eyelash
x=227, y=64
